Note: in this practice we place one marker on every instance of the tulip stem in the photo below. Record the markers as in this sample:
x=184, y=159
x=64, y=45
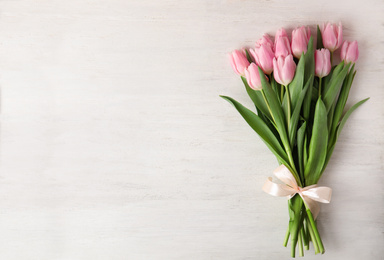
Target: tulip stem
x=269, y=108
x=305, y=235
x=313, y=238
x=300, y=242
x=320, y=86
x=286, y=237
x=289, y=106
x=315, y=231
x=281, y=94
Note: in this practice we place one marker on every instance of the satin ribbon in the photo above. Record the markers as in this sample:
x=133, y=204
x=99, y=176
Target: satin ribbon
x=310, y=194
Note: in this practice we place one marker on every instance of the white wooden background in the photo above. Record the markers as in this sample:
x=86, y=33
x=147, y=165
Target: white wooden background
x=115, y=144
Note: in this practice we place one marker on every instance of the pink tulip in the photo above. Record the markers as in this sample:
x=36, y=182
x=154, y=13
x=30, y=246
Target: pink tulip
x=280, y=33
x=282, y=45
x=284, y=69
x=300, y=38
x=322, y=63
x=263, y=56
x=265, y=40
x=349, y=51
x=332, y=36
x=239, y=61
x=253, y=77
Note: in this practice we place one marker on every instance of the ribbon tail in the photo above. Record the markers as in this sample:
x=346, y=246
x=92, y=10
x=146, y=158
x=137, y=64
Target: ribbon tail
x=313, y=206
x=320, y=194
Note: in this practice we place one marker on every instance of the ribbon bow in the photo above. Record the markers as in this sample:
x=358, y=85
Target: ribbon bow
x=310, y=194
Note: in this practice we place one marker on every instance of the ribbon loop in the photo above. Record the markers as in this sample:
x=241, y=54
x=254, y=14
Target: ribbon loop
x=311, y=195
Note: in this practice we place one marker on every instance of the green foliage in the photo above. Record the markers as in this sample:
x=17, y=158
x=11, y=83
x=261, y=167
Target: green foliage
x=257, y=124
x=296, y=112
x=339, y=127
x=319, y=39
x=304, y=138
x=309, y=59
x=318, y=145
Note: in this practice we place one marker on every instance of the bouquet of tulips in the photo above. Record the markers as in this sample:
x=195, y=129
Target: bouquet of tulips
x=299, y=95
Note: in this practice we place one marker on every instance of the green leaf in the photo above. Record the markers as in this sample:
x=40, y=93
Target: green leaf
x=270, y=125
x=342, y=99
x=275, y=87
x=331, y=76
x=276, y=110
x=295, y=220
x=258, y=125
x=257, y=98
x=332, y=143
x=327, y=78
x=309, y=57
x=307, y=105
x=296, y=86
x=347, y=114
x=309, y=61
x=296, y=113
x=318, y=145
x=249, y=58
x=330, y=117
x=319, y=39
x=334, y=86
x=305, y=151
x=300, y=149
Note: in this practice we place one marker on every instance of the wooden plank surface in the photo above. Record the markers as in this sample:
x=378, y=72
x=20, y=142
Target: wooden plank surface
x=114, y=143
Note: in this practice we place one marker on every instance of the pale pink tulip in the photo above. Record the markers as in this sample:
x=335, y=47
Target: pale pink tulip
x=280, y=33
x=239, y=61
x=300, y=38
x=263, y=56
x=282, y=45
x=253, y=77
x=284, y=69
x=322, y=63
x=265, y=40
x=349, y=51
x=332, y=36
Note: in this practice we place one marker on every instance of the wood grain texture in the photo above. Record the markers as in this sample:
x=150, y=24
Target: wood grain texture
x=115, y=145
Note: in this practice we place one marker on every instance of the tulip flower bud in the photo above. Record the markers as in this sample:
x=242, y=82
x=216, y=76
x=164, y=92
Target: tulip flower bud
x=253, y=77
x=322, y=63
x=300, y=38
x=284, y=69
x=239, y=61
x=280, y=33
x=263, y=56
x=332, y=36
x=282, y=45
x=265, y=40
x=349, y=51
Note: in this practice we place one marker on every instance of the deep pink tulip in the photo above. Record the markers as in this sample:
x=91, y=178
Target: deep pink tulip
x=322, y=62
x=349, y=51
x=332, y=36
x=265, y=40
x=253, y=77
x=263, y=56
x=282, y=46
x=300, y=38
x=284, y=69
x=239, y=61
